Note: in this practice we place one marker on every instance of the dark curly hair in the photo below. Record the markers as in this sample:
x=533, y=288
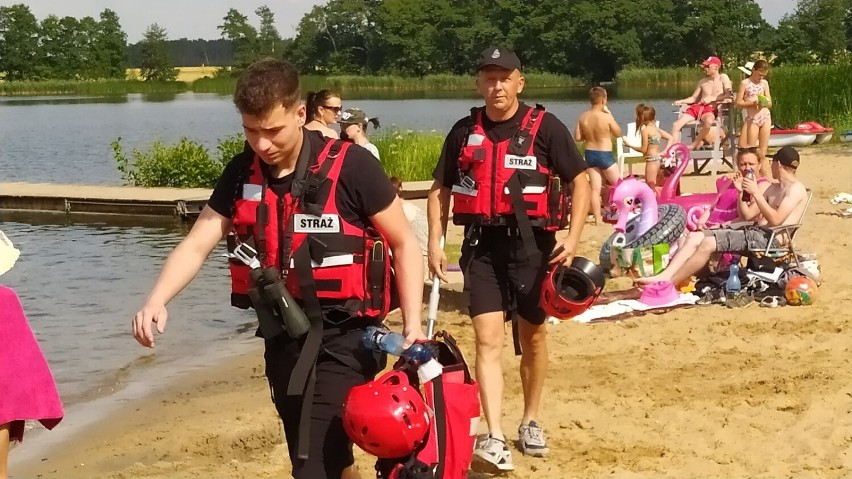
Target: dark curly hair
x=265, y=85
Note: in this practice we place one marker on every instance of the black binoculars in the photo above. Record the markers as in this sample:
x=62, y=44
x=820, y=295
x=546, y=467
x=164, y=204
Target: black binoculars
x=276, y=309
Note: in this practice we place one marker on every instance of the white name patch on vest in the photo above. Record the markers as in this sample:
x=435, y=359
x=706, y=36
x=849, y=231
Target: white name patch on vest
x=303, y=223
x=252, y=192
x=521, y=162
x=475, y=139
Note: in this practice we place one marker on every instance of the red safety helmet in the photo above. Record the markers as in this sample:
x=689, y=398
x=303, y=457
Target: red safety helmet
x=386, y=417
x=568, y=291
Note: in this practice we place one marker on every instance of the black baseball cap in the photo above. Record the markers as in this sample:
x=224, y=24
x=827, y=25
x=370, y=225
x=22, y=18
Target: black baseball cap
x=498, y=56
x=787, y=156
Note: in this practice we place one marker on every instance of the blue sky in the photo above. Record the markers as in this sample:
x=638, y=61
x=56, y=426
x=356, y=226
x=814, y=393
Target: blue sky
x=181, y=18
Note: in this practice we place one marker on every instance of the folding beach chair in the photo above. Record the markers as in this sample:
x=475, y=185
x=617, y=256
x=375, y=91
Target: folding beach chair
x=785, y=249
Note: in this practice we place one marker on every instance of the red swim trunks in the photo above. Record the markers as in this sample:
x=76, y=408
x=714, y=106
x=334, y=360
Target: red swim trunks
x=697, y=110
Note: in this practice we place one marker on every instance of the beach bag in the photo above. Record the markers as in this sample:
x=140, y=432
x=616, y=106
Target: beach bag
x=639, y=262
x=453, y=396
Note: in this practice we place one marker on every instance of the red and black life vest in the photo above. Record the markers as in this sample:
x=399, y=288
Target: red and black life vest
x=499, y=183
x=350, y=264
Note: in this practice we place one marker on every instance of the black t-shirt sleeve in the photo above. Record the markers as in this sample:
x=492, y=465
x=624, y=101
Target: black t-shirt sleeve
x=565, y=158
x=447, y=170
x=229, y=186
x=364, y=188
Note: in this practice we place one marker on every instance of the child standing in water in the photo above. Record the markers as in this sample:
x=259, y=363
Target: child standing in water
x=652, y=136
x=756, y=100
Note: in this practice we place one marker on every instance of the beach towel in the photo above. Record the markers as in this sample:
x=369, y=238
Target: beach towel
x=27, y=389
x=618, y=305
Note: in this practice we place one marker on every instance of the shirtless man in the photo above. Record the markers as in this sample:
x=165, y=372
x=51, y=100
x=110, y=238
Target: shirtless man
x=781, y=203
x=713, y=88
x=597, y=127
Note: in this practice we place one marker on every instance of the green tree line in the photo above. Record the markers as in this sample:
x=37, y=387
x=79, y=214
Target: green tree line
x=64, y=48
x=593, y=39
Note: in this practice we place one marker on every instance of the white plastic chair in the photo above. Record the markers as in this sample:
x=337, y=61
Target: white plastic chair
x=720, y=153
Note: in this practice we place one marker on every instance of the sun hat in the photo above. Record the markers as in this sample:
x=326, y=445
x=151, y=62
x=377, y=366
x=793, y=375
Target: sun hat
x=747, y=68
x=659, y=294
x=8, y=254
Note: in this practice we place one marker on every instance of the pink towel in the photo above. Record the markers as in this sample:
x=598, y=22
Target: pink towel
x=27, y=390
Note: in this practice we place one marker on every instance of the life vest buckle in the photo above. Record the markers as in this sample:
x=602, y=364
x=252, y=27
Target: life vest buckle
x=247, y=255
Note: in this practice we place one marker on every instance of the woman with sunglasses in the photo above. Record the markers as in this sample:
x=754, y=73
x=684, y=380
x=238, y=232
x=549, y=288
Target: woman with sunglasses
x=323, y=109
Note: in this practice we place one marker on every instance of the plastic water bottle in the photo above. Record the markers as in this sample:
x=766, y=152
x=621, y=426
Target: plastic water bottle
x=733, y=285
x=381, y=339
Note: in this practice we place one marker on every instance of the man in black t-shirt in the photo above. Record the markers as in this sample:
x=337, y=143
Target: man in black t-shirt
x=267, y=97
x=500, y=279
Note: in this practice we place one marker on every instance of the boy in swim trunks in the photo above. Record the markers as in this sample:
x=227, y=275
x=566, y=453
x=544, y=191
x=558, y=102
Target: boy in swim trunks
x=713, y=88
x=597, y=127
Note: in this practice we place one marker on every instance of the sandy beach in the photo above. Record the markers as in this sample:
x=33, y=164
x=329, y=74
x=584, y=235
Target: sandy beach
x=705, y=392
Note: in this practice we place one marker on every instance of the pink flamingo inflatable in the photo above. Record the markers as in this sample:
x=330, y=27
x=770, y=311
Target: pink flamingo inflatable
x=625, y=196
x=693, y=204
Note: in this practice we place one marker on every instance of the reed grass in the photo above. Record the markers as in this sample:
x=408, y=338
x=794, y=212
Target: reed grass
x=409, y=155
x=347, y=84
x=658, y=76
x=99, y=87
x=821, y=93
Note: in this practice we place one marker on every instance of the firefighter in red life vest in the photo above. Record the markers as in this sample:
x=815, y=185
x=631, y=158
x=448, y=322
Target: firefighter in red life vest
x=508, y=168
x=314, y=219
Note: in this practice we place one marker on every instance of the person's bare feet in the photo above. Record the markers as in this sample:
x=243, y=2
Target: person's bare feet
x=657, y=278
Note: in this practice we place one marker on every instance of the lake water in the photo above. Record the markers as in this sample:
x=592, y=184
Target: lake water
x=67, y=140
x=81, y=281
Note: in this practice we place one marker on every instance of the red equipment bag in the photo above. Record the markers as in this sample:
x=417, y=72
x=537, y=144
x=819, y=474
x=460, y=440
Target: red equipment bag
x=454, y=398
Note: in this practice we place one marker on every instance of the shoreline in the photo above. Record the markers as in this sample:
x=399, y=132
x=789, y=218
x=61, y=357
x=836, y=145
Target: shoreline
x=100, y=406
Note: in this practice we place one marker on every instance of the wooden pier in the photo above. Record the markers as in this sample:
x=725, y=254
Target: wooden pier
x=70, y=199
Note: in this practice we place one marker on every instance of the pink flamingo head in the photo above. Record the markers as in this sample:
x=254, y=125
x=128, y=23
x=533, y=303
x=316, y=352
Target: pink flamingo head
x=624, y=197
x=680, y=154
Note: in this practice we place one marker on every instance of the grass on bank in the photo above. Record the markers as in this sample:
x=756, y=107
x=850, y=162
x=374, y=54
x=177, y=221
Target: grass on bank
x=205, y=80
x=94, y=88
x=409, y=155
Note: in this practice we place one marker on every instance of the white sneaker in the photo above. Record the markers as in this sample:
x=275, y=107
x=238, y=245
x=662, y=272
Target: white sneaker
x=493, y=453
x=532, y=440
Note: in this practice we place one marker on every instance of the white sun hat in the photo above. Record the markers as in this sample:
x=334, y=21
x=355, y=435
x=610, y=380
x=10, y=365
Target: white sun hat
x=747, y=68
x=8, y=254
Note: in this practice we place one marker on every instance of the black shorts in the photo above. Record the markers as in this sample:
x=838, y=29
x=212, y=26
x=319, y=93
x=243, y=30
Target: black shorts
x=497, y=280
x=330, y=448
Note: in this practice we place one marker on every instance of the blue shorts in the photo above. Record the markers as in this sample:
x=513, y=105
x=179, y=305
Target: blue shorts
x=599, y=159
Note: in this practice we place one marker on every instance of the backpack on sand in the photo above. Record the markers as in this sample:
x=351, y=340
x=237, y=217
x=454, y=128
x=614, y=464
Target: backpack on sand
x=453, y=396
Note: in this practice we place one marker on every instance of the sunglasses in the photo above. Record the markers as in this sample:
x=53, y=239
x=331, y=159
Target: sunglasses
x=750, y=149
x=335, y=109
